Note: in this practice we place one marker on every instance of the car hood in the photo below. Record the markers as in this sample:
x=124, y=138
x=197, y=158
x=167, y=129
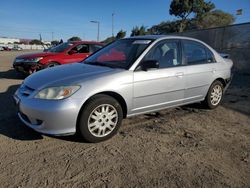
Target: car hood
x=35, y=55
x=74, y=73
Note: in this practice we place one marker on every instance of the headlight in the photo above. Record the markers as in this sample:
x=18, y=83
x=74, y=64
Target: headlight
x=34, y=59
x=29, y=60
x=19, y=60
x=57, y=93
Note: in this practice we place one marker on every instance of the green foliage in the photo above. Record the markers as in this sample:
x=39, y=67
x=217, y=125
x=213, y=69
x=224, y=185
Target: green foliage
x=75, y=38
x=202, y=17
x=165, y=28
x=108, y=40
x=121, y=34
x=216, y=18
x=35, y=41
x=184, y=8
x=137, y=31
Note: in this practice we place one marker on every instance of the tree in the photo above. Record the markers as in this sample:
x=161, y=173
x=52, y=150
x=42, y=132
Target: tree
x=108, y=40
x=216, y=18
x=54, y=42
x=165, y=27
x=35, y=41
x=75, y=38
x=184, y=8
x=121, y=34
x=137, y=31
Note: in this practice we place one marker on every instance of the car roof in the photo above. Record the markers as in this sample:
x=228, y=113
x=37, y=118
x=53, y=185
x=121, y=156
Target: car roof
x=87, y=42
x=156, y=37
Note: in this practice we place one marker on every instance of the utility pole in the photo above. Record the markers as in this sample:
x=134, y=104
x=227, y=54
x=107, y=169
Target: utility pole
x=40, y=36
x=98, y=29
x=52, y=36
x=113, y=14
x=98, y=34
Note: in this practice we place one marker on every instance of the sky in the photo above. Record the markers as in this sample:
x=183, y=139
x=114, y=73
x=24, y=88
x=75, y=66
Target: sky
x=61, y=19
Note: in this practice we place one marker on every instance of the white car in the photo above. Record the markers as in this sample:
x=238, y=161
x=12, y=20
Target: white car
x=17, y=48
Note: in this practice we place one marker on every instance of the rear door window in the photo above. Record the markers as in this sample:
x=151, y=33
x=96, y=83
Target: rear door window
x=210, y=57
x=195, y=53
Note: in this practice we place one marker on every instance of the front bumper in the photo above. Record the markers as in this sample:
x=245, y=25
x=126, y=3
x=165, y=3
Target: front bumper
x=26, y=67
x=53, y=117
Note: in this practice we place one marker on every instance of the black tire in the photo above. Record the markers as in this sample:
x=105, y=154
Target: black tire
x=51, y=64
x=93, y=105
x=208, y=102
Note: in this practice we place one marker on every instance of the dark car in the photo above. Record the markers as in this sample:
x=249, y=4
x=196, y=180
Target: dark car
x=65, y=53
x=5, y=48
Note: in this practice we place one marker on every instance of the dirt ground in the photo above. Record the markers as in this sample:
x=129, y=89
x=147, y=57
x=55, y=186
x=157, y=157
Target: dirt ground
x=181, y=147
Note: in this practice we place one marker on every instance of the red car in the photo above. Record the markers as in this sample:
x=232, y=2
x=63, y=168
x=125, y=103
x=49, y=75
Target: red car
x=68, y=52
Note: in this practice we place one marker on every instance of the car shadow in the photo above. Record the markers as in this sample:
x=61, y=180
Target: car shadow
x=12, y=74
x=70, y=138
x=10, y=124
x=237, y=97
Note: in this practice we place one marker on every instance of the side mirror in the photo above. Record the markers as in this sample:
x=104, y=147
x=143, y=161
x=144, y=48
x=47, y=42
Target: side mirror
x=71, y=52
x=149, y=64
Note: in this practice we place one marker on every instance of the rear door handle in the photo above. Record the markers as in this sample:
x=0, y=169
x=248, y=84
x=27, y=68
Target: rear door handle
x=179, y=74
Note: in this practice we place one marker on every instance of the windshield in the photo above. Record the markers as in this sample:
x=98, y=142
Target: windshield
x=60, y=48
x=119, y=54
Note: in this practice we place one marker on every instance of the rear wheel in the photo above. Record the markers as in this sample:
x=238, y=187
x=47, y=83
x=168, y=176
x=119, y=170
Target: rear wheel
x=214, y=95
x=100, y=119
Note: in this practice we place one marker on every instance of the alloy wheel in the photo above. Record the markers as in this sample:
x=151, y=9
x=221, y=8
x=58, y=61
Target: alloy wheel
x=216, y=95
x=102, y=120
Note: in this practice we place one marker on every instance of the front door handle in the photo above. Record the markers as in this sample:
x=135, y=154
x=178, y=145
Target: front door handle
x=179, y=74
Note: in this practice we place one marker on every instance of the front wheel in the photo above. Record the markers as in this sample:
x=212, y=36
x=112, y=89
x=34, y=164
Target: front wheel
x=100, y=119
x=214, y=95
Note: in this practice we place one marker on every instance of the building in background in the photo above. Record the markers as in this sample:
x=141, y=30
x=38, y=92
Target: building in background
x=5, y=40
x=23, y=44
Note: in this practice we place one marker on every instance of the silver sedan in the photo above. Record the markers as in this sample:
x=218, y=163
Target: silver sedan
x=127, y=77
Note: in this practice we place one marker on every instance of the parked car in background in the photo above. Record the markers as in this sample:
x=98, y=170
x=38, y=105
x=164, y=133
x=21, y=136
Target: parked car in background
x=68, y=52
x=128, y=77
x=17, y=48
x=6, y=48
x=1, y=48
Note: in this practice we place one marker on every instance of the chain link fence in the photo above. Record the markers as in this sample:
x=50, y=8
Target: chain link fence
x=232, y=39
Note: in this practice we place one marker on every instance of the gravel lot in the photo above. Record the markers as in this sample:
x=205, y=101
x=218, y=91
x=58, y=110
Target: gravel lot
x=182, y=147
